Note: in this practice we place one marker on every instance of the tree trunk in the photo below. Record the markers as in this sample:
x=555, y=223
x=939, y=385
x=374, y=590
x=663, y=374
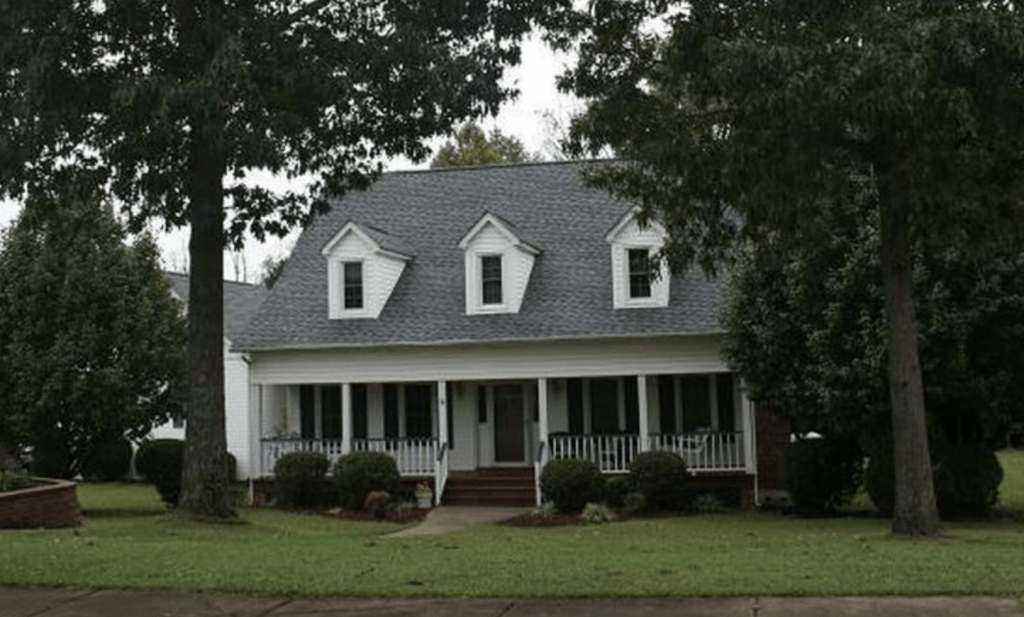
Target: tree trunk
x=205, y=486
x=915, y=510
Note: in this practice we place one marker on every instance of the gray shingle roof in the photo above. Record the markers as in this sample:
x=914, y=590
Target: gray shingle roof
x=241, y=301
x=569, y=292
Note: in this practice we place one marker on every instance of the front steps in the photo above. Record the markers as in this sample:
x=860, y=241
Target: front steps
x=508, y=487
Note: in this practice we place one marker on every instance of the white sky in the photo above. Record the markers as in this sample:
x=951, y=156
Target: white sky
x=523, y=119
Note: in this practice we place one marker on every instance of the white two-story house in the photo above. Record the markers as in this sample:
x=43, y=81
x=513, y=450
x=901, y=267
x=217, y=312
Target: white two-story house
x=477, y=322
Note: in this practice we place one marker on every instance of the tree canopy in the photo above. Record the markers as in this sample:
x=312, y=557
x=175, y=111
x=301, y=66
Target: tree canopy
x=806, y=328
x=473, y=147
x=174, y=102
x=741, y=117
x=92, y=343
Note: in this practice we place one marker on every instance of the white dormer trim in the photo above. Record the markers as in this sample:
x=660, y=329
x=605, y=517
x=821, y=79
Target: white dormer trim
x=381, y=269
x=501, y=227
x=492, y=237
x=626, y=235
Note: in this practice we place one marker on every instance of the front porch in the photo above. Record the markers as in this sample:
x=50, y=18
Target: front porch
x=435, y=428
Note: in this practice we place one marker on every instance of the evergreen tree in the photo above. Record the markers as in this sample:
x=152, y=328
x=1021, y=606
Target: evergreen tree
x=92, y=344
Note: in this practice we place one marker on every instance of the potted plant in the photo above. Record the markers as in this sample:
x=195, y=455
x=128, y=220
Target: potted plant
x=424, y=495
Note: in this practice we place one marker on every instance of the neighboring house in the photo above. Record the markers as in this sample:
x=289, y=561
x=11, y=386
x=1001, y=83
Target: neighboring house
x=241, y=301
x=492, y=318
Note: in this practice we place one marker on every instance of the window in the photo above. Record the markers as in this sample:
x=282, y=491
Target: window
x=639, y=273
x=490, y=276
x=353, y=287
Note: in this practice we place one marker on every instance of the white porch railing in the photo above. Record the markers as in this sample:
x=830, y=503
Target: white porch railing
x=614, y=453
x=274, y=448
x=414, y=456
x=705, y=451
x=611, y=453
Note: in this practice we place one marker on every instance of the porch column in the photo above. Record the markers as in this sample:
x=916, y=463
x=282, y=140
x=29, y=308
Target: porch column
x=442, y=412
x=346, y=418
x=641, y=394
x=749, y=438
x=542, y=429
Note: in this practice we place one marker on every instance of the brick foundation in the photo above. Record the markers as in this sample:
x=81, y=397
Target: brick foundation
x=53, y=503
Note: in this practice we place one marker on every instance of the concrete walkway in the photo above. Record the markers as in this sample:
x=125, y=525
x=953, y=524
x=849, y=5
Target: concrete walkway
x=443, y=519
x=58, y=603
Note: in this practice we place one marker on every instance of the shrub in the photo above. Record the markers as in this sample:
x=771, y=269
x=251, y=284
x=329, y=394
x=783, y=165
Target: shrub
x=615, y=490
x=299, y=477
x=159, y=461
x=822, y=474
x=108, y=459
x=661, y=477
x=545, y=510
x=359, y=473
x=597, y=513
x=635, y=502
x=880, y=481
x=377, y=504
x=967, y=479
x=14, y=480
x=707, y=503
x=571, y=483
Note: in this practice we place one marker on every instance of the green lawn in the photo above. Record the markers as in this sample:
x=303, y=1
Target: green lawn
x=129, y=542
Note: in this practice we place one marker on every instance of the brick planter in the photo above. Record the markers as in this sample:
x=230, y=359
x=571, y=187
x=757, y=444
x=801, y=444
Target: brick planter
x=51, y=503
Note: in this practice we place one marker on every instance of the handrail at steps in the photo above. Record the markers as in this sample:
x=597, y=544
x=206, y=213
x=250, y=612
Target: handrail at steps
x=537, y=466
x=441, y=472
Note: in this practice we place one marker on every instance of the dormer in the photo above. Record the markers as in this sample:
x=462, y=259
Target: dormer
x=498, y=266
x=635, y=284
x=363, y=267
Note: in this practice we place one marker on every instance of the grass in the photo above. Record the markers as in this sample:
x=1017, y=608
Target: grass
x=130, y=542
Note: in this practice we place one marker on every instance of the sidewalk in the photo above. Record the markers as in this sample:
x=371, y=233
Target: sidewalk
x=59, y=603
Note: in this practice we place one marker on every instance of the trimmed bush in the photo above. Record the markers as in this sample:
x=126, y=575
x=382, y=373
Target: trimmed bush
x=159, y=461
x=108, y=460
x=635, y=503
x=880, y=481
x=822, y=474
x=299, y=477
x=615, y=490
x=14, y=480
x=359, y=473
x=661, y=477
x=967, y=478
x=572, y=483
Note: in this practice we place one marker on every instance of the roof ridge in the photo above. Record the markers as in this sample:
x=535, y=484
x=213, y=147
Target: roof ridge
x=493, y=166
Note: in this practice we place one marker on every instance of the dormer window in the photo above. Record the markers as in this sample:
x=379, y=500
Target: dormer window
x=490, y=279
x=637, y=280
x=498, y=266
x=639, y=273
x=353, y=284
x=363, y=266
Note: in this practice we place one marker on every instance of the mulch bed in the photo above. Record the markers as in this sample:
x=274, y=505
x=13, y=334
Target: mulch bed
x=407, y=516
x=530, y=519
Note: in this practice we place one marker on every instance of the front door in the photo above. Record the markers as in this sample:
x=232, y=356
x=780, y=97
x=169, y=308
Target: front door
x=509, y=419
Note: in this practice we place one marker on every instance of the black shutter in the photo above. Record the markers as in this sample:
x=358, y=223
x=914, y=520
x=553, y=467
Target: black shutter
x=330, y=417
x=451, y=415
x=359, y=410
x=574, y=396
x=667, y=404
x=632, y=396
x=391, y=410
x=307, y=412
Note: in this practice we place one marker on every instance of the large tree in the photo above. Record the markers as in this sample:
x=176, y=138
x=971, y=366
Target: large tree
x=176, y=100
x=806, y=328
x=92, y=343
x=742, y=116
x=473, y=147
